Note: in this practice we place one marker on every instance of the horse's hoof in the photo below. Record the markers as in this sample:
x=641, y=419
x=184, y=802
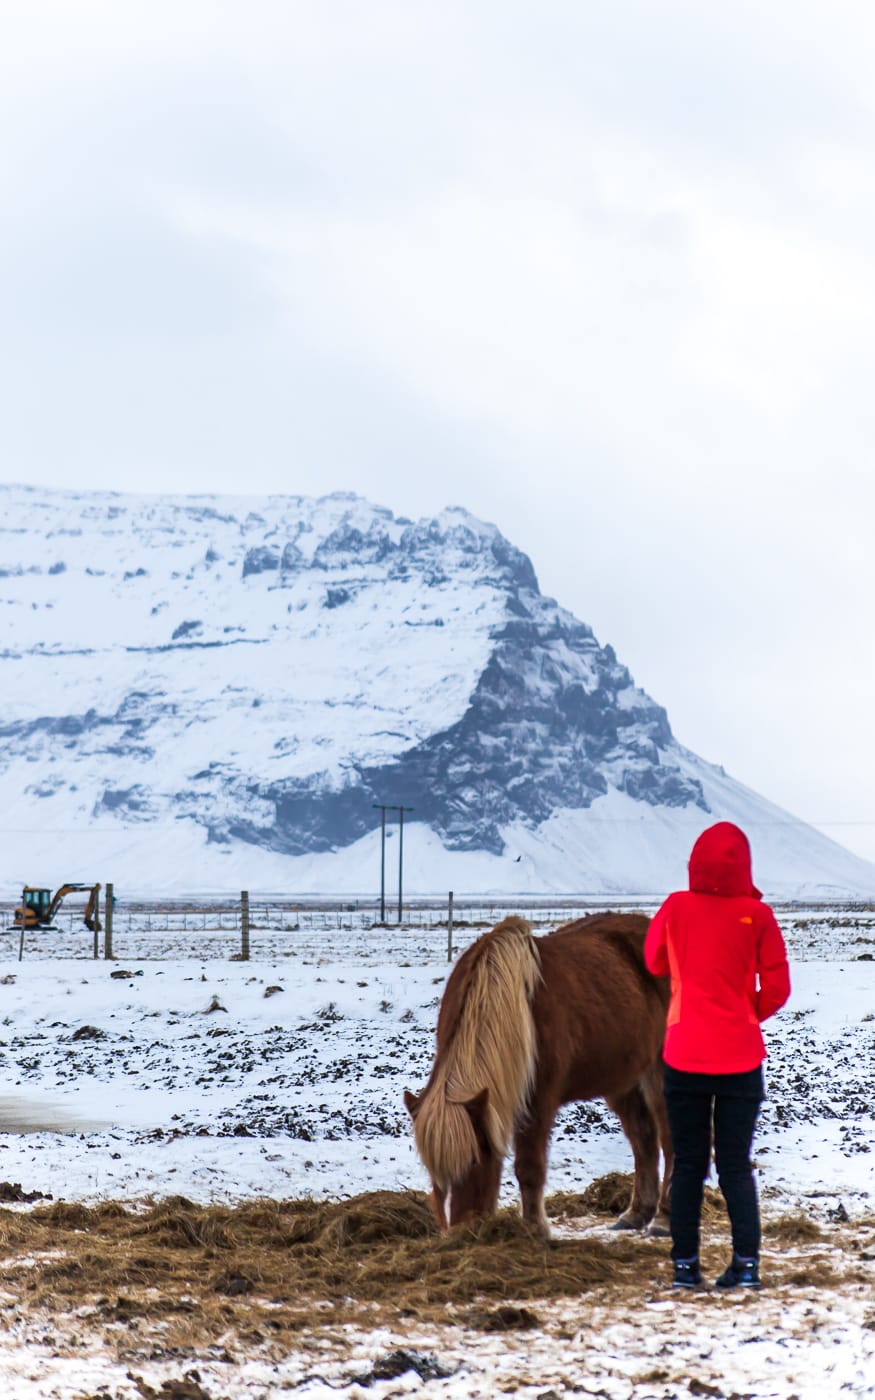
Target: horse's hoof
x=658, y=1228
x=629, y=1220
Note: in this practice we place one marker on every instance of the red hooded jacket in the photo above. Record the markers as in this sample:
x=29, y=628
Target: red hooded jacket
x=724, y=952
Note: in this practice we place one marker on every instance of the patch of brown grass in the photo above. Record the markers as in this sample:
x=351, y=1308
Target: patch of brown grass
x=506, y=1318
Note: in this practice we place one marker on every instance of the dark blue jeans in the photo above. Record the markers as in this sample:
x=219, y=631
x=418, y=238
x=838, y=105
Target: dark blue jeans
x=729, y=1102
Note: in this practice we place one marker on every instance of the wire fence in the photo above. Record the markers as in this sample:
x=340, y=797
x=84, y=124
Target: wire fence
x=334, y=930
x=317, y=930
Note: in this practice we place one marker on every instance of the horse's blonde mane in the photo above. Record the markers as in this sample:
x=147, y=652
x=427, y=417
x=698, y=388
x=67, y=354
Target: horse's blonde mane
x=490, y=1046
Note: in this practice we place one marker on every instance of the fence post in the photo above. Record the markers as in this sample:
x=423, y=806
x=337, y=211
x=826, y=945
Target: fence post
x=450, y=927
x=244, y=925
x=109, y=901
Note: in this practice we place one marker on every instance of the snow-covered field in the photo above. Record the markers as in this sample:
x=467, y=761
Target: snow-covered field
x=220, y=1081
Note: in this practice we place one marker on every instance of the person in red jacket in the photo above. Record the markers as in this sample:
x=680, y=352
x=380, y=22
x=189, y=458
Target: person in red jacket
x=722, y=948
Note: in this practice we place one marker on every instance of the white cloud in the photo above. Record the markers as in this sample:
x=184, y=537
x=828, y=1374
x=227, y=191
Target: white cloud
x=601, y=273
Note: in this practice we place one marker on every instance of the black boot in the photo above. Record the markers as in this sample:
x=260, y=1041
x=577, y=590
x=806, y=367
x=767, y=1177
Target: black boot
x=687, y=1274
x=742, y=1273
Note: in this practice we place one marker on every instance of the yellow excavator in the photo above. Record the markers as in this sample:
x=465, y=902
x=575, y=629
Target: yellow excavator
x=38, y=906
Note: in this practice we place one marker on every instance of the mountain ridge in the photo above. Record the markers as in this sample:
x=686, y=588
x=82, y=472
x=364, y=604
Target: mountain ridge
x=258, y=672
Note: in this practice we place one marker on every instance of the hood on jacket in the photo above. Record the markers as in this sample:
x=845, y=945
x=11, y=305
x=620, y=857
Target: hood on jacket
x=720, y=862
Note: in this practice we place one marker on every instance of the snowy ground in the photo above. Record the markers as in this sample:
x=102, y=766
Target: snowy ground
x=221, y=1080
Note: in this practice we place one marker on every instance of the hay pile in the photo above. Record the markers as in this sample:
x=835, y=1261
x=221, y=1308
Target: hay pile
x=792, y=1229
x=610, y=1195
x=267, y=1270
x=291, y=1264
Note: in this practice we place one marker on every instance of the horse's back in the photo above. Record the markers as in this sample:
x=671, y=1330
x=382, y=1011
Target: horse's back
x=600, y=1013
x=607, y=923
x=603, y=950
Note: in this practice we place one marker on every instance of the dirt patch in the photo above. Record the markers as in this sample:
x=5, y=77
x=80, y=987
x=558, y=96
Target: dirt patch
x=12, y=1191
x=504, y=1319
x=398, y=1363
x=189, y=1388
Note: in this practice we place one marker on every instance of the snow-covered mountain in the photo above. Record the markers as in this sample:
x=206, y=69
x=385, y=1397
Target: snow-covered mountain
x=207, y=692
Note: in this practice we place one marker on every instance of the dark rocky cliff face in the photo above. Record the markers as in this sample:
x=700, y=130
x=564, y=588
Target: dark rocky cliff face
x=522, y=751
x=553, y=721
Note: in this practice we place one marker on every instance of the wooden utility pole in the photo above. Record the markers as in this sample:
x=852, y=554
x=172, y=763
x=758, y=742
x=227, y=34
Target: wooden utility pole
x=450, y=927
x=244, y=925
x=400, y=856
x=383, y=808
x=382, y=860
x=109, y=901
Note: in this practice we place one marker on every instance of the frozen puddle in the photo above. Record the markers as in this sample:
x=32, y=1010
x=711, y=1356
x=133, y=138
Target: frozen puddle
x=21, y=1114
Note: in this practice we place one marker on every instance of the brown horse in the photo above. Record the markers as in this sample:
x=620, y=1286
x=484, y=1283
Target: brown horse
x=525, y=1025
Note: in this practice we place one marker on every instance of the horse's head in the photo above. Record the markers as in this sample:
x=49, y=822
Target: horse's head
x=471, y=1188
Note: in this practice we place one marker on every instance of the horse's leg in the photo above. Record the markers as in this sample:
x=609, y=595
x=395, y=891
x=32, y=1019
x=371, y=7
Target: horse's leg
x=651, y=1085
x=437, y=1201
x=491, y=1182
x=640, y=1129
x=530, y=1165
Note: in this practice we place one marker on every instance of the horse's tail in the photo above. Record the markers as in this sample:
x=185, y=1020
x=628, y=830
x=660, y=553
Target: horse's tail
x=490, y=1045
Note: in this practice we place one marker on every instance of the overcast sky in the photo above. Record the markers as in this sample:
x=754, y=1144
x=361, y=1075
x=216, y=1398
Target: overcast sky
x=601, y=273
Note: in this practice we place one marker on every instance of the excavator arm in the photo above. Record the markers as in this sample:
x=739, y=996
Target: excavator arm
x=59, y=895
x=28, y=915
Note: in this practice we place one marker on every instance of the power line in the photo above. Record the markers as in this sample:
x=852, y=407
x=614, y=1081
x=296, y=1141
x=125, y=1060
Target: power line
x=62, y=830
